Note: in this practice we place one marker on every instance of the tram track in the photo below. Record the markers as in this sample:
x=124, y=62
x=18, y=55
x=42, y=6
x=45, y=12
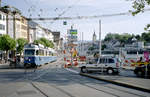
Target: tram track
x=97, y=89
x=76, y=80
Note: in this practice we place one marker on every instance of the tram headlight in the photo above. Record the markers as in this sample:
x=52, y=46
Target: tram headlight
x=26, y=58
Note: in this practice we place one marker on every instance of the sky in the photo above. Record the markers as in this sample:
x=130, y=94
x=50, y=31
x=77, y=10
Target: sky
x=72, y=8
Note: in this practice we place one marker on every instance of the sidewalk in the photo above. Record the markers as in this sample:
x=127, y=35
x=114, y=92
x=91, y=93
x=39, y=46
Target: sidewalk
x=130, y=82
x=4, y=66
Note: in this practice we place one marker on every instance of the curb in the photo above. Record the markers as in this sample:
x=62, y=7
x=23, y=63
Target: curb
x=117, y=83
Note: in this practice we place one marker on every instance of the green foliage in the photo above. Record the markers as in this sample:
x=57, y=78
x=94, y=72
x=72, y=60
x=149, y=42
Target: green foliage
x=44, y=42
x=38, y=42
x=138, y=37
x=123, y=38
x=127, y=38
x=51, y=44
x=91, y=48
x=21, y=42
x=7, y=43
x=147, y=28
x=103, y=46
x=139, y=6
x=146, y=37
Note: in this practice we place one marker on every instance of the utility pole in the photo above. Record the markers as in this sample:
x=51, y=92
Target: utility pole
x=82, y=44
x=100, y=45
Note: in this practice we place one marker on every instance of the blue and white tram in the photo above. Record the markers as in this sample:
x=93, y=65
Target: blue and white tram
x=36, y=55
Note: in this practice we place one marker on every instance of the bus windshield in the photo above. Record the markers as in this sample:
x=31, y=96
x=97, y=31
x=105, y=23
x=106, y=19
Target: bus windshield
x=29, y=52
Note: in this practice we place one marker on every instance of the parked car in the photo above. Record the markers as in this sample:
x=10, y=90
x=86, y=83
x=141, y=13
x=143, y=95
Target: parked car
x=107, y=64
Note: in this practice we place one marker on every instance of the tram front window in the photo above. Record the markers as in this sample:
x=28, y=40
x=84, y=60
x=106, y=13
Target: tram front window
x=29, y=52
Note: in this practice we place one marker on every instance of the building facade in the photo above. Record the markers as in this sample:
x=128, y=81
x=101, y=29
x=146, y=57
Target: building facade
x=24, y=28
x=2, y=23
x=10, y=23
x=36, y=32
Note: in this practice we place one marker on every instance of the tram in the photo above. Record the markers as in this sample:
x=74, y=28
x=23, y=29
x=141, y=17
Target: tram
x=37, y=55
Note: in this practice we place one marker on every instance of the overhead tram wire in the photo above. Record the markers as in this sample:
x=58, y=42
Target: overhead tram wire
x=84, y=17
x=59, y=15
x=68, y=8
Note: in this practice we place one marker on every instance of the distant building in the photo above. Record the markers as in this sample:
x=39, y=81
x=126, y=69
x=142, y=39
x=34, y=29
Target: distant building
x=32, y=31
x=49, y=35
x=35, y=31
x=56, y=38
x=135, y=45
x=60, y=46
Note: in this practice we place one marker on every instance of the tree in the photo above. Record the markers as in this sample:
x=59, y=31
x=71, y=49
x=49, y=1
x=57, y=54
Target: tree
x=122, y=38
x=103, y=46
x=91, y=48
x=139, y=6
x=146, y=37
x=21, y=42
x=45, y=42
x=38, y=42
x=7, y=43
x=138, y=37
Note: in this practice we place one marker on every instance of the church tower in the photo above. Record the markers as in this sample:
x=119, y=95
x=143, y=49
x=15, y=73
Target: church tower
x=94, y=37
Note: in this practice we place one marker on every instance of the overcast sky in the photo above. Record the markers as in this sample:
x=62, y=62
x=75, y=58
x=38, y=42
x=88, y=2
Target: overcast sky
x=71, y=8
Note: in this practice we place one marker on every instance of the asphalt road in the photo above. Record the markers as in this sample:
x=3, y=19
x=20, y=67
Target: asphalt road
x=53, y=80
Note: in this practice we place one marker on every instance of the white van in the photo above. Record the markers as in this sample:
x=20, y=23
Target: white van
x=107, y=64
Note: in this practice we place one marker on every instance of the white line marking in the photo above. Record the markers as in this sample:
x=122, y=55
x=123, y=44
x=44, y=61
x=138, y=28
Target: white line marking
x=72, y=70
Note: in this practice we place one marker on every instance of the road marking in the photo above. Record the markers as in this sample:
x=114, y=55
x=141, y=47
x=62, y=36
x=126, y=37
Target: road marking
x=71, y=70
